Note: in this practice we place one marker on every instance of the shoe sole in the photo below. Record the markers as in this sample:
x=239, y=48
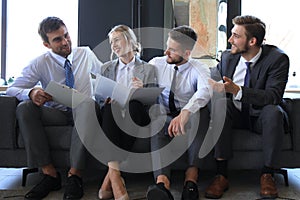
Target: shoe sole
x=54, y=189
x=211, y=196
x=269, y=196
x=155, y=194
x=73, y=198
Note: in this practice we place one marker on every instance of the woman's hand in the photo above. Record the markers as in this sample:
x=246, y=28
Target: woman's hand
x=136, y=82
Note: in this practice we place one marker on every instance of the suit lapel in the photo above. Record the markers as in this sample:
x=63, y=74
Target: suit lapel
x=110, y=72
x=257, y=68
x=231, y=65
x=139, y=69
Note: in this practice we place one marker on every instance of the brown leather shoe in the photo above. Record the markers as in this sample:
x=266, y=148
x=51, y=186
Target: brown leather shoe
x=268, y=187
x=217, y=188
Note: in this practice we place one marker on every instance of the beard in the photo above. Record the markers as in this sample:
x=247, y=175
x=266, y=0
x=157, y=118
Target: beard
x=242, y=50
x=179, y=60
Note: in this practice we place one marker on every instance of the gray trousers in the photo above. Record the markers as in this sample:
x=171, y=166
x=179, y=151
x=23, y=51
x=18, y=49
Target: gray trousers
x=32, y=119
x=270, y=124
x=162, y=139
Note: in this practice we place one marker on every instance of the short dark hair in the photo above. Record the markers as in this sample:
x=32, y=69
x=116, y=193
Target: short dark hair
x=184, y=35
x=254, y=27
x=49, y=25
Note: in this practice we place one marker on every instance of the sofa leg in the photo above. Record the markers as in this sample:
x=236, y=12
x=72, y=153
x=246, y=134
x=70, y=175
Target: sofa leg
x=284, y=173
x=26, y=172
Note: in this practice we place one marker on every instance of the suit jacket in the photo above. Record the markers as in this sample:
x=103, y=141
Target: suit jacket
x=268, y=79
x=142, y=70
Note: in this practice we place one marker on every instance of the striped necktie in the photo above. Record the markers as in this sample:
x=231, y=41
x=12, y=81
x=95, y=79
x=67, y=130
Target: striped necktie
x=69, y=74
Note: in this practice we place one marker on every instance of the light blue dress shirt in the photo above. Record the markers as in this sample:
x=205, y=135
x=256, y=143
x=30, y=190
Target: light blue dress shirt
x=50, y=66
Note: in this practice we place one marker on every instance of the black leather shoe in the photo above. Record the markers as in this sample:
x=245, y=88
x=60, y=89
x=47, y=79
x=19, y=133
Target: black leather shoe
x=74, y=189
x=43, y=188
x=159, y=192
x=190, y=191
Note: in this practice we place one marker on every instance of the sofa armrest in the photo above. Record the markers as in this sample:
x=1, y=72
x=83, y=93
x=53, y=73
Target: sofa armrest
x=8, y=122
x=295, y=119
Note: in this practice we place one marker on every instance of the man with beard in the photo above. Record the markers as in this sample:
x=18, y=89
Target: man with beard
x=65, y=65
x=254, y=76
x=190, y=96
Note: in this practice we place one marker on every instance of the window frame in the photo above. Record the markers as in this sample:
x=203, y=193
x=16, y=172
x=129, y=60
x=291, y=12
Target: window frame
x=3, y=38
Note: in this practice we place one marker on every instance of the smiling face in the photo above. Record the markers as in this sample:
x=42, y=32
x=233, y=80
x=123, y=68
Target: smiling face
x=119, y=45
x=175, y=53
x=59, y=42
x=238, y=40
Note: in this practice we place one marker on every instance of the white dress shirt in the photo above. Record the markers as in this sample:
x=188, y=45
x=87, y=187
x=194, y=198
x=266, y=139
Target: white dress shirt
x=50, y=66
x=192, y=88
x=125, y=72
x=239, y=77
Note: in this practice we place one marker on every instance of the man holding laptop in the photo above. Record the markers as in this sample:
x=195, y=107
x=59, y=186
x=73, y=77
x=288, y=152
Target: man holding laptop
x=65, y=65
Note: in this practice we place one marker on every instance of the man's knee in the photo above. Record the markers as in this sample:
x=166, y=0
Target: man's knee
x=25, y=108
x=272, y=113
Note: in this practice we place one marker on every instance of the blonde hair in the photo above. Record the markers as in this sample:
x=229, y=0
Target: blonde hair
x=129, y=36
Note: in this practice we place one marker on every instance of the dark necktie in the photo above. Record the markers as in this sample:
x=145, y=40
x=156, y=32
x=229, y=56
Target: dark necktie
x=245, y=106
x=248, y=74
x=172, y=106
x=69, y=74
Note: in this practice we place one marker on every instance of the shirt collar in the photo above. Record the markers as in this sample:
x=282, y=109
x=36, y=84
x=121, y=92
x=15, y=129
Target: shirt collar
x=61, y=60
x=182, y=67
x=254, y=59
x=123, y=65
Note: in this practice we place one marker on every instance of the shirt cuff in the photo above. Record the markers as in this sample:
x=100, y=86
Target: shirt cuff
x=25, y=95
x=239, y=95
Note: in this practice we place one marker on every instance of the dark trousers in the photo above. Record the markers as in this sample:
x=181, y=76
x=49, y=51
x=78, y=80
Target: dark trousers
x=32, y=119
x=189, y=144
x=270, y=124
x=115, y=125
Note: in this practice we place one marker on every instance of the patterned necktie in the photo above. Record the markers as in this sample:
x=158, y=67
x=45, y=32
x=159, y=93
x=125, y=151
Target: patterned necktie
x=172, y=106
x=247, y=76
x=69, y=74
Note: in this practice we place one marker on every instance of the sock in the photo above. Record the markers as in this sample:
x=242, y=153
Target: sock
x=222, y=168
x=267, y=170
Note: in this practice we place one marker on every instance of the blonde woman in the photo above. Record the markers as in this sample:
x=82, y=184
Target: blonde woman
x=127, y=69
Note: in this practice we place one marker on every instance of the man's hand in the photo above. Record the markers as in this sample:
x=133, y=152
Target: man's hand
x=39, y=96
x=136, y=82
x=176, y=127
x=216, y=86
x=228, y=86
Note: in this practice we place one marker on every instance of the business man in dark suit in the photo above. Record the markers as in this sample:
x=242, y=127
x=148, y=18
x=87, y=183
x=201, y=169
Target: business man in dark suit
x=254, y=77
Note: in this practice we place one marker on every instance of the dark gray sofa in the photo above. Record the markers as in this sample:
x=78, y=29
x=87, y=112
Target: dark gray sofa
x=247, y=145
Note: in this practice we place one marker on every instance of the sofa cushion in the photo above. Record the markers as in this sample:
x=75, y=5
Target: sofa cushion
x=254, y=141
x=8, y=122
